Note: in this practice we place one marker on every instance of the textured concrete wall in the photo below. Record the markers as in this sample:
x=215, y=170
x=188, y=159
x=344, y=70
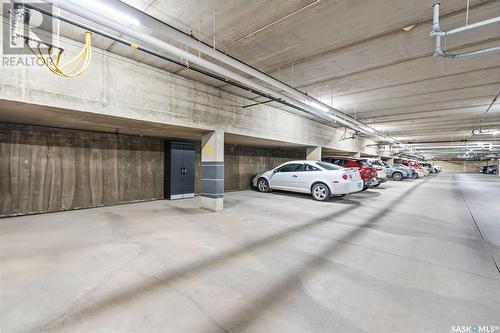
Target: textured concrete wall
x=45, y=169
x=461, y=166
x=243, y=162
x=121, y=87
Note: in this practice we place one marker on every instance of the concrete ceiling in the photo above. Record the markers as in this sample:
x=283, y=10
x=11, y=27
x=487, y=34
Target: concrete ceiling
x=353, y=55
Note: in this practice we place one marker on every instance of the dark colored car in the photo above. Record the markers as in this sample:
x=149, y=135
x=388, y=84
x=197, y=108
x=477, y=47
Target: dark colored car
x=367, y=172
x=492, y=169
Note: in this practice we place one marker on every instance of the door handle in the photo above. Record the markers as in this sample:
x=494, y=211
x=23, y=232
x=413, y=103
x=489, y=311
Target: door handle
x=294, y=176
x=183, y=171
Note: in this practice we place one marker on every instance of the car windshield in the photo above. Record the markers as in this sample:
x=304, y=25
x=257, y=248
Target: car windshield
x=329, y=166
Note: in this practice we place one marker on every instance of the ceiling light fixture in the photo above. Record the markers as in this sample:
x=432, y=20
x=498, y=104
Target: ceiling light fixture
x=408, y=28
x=486, y=132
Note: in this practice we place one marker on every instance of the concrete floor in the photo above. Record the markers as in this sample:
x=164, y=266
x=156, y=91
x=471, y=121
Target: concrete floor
x=407, y=257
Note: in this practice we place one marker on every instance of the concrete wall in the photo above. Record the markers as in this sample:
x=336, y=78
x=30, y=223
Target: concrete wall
x=120, y=87
x=243, y=162
x=461, y=166
x=45, y=169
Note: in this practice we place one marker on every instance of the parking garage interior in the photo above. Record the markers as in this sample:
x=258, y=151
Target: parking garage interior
x=141, y=143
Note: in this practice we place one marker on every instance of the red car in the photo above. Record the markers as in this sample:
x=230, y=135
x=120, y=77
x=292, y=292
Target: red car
x=367, y=172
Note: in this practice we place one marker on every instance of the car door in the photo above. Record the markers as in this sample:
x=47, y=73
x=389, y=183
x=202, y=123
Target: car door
x=307, y=177
x=286, y=177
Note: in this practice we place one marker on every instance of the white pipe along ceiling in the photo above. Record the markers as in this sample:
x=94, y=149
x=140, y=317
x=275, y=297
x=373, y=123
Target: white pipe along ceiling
x=142, y=27
x=438, y=34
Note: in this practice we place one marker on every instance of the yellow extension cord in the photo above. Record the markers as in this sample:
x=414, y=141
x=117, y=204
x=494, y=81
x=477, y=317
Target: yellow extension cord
x=69, y=69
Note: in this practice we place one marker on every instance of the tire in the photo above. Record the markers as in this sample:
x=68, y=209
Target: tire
x=397, y=176
x=320, y=192
x=263, y=185
x=376, y=185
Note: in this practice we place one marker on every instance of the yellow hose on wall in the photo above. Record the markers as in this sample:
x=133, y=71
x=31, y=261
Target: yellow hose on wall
x=69, y=69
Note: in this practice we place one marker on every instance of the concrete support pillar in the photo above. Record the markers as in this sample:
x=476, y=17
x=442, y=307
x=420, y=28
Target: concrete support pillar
x=313, y=154
x=498, y=168
x=357, y=155
x=212, y=171
x=390, y=161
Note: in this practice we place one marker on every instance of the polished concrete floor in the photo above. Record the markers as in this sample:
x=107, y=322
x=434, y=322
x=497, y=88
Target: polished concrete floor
x=411, y=256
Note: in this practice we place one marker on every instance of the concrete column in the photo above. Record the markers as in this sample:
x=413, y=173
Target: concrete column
x=313, y=154
x=498, y=168
x=390, y=161
x=212, y=170
x=357, y=155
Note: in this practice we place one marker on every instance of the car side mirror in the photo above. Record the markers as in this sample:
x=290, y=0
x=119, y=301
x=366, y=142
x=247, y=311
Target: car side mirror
x=275, y=171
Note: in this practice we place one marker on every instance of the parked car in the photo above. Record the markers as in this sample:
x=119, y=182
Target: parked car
x=488, y=169
x=367, y=172
x=417, y=170
x=397, y=172
x=320, y=179
x=430, y=168
x=492, y=169
x=412, y=173
x=380, y=168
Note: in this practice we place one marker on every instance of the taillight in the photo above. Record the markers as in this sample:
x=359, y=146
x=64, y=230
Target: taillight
x=344, y=176
x=379, y=168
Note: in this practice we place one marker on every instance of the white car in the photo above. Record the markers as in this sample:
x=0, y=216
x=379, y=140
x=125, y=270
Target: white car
x=380, y=168
x=321, y=179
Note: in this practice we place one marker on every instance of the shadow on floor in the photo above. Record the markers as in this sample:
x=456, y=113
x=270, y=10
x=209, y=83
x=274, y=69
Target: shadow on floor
x=307, y=196
x=240, y=319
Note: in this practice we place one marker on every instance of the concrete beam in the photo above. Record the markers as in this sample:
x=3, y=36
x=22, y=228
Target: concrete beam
x=110, y=87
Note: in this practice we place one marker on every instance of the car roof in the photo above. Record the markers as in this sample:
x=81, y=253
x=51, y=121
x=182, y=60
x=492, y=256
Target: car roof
x=300, y=161
x=345, y=157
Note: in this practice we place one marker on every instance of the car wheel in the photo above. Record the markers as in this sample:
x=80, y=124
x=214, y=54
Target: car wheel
x=416, y=176
x=320, y=192
x=376, y=185
x=397, y=176
x=263, y=185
